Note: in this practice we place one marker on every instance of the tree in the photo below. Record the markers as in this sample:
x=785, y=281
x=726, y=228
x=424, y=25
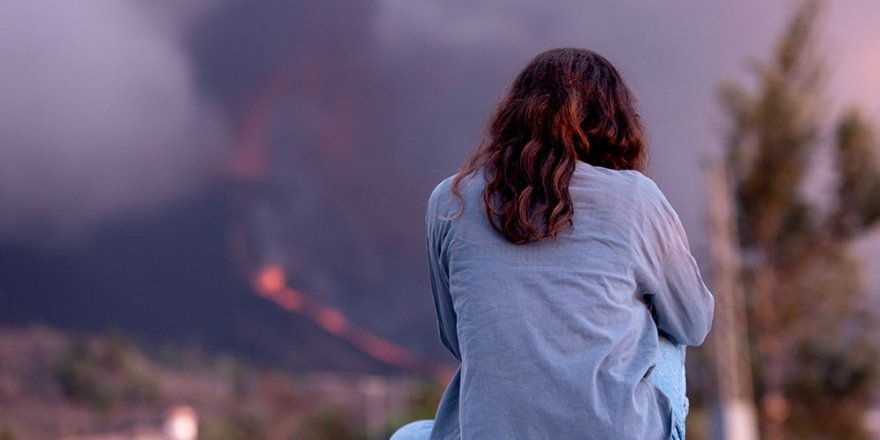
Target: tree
x=814, y=346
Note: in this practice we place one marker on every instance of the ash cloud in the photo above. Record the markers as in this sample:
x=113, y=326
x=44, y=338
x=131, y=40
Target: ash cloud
x=102, y=114
x=99, y=118
x=372, y=103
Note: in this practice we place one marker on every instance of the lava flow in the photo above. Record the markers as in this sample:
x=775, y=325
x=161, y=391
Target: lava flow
x=271, y=283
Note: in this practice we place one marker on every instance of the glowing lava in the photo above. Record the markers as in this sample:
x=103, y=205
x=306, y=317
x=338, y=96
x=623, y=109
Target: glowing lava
x=271, y=283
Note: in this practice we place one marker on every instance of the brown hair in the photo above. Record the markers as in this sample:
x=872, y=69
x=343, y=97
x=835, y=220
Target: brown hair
x=566, y=105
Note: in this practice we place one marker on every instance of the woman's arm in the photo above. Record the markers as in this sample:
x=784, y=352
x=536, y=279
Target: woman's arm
x=437, y=232
x=669, y=275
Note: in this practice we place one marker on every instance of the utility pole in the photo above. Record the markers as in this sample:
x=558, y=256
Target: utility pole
x=734, y=416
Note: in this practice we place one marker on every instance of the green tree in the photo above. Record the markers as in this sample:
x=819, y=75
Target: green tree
x=814, y=346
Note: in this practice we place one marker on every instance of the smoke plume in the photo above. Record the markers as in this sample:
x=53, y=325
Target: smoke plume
x=99, y=118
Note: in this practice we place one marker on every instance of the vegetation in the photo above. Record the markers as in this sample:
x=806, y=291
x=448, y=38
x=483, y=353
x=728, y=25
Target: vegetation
x=53, y=385
x=6, y=432
x=104, y=374
x=422, y=404
x=815, y=349
x=239, y=427
x=330, y=424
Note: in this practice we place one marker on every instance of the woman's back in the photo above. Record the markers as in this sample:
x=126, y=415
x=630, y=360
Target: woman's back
x=555, y=337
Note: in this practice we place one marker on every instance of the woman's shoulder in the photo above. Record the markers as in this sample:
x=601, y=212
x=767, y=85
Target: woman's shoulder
x=657, y=212
x=468, y=186
x=653, y=204
x=440, y=201
x=442, y=189
x=631, y=183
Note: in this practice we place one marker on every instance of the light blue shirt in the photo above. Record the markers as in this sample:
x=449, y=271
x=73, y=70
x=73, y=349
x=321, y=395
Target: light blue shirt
x=556, y=338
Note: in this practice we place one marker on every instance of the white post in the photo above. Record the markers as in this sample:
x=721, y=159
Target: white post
x=734, y=416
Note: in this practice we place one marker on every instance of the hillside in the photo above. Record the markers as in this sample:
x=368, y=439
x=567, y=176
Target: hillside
x=59, y=385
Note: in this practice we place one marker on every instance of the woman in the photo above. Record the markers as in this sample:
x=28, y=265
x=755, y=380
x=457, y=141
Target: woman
x=562, y=277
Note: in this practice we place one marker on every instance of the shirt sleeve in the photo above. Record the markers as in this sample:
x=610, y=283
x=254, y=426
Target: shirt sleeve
x=682, y=305
x=437, y=231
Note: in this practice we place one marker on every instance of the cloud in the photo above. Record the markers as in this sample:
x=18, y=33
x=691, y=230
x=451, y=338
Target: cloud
x=99, y=118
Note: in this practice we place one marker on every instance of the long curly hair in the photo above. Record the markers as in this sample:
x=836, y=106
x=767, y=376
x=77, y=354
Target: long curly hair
x=566, y=105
